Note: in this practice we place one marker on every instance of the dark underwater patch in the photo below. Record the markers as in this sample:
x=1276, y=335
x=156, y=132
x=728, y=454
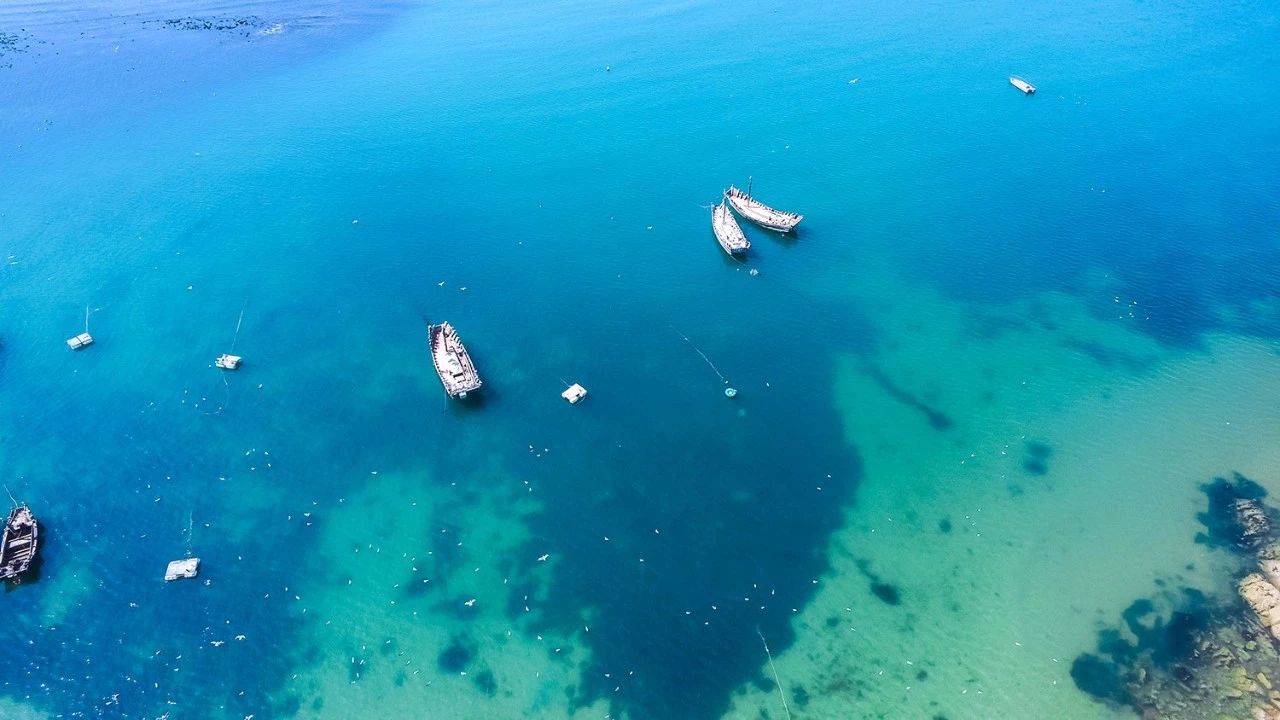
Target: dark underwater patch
x=936, y=419
x=485, y=682
x=736, y=551
x=944, y=526
x=1108, y=357
x=1156, y=639
x=886, y=592
x=1035, y=459
x=455, y=657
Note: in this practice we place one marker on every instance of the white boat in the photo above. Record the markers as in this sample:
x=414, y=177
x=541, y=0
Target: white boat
x=728, y=233
x=453, y=363
x=759, y=213
x=1022, y=85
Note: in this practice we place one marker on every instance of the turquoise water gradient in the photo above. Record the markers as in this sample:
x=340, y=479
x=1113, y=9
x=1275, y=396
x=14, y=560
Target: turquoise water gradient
x=539, y=175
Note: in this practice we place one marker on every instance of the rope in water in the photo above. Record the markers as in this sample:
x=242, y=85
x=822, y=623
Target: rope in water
x=776, y=680
x=704, y=355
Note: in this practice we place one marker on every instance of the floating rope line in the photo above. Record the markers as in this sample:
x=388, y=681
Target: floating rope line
x=704, y=355
x=776, y=680
x=236, y=337
x=191, y=524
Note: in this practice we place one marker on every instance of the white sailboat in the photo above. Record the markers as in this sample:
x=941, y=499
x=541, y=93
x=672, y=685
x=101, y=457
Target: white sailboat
x=727, y=231
x=759, y=213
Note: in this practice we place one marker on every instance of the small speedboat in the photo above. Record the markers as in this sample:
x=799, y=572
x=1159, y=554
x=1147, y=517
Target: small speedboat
x=1022, y=85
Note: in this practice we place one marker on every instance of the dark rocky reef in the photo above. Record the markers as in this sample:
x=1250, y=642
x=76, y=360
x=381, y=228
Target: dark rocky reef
x=1236, y=519
x=1183, y=655
x=245, y=25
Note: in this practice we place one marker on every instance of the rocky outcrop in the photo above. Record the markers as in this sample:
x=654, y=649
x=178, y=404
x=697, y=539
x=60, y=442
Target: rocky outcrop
x=1269, y=563
x=1264, y=599
x=1255, y=526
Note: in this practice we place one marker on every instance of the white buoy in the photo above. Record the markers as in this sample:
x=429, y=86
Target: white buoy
x=730, y=392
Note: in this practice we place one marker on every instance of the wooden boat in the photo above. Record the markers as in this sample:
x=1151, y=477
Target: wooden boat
x=1022, y=85
x=759, y=213
x=453, y=364
x=727, y=231
x=21, y=540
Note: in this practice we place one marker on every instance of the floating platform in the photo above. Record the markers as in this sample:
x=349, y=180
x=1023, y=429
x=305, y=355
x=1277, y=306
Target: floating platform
x=1022, y=85
x=20, y=543
x=80, y=341
x=575, y=393
x=179, y=569
x=452, y=362
x=228, y=362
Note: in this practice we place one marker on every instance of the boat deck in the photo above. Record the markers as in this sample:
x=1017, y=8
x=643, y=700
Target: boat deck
x=761, y=214
x=728, y=233
x=19, y=544
x=452, y=361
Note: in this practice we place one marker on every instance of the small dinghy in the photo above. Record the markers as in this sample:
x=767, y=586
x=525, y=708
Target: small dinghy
x=727, y=231
x=21, y=540
x=759, y=213
x=453, y=363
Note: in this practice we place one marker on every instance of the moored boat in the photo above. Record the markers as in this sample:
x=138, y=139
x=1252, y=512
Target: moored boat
x=20, y=542
x=727, y=231
x=759, y=213
x=1022, y=85
x=452, y=362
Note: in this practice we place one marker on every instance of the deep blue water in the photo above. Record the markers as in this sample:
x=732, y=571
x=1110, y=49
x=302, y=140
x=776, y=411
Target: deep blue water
x=172, y=174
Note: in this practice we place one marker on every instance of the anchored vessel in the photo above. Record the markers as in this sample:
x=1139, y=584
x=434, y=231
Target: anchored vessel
x=727, y=231
x=1022, y=85
x=453, y=364
x=759, y=213
x=21, y=536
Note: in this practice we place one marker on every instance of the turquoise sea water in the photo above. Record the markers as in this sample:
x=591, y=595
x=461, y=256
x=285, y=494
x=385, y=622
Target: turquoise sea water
x=978, y=390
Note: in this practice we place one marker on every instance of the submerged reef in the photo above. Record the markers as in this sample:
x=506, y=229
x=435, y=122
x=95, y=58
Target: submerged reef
x=244, y=25
x=1236, y=519
x=1184, y=655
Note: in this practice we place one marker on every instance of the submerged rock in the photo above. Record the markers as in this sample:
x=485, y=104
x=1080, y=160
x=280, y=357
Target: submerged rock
x=1189, y=656
x=1255, y=526
x=1236, y=518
